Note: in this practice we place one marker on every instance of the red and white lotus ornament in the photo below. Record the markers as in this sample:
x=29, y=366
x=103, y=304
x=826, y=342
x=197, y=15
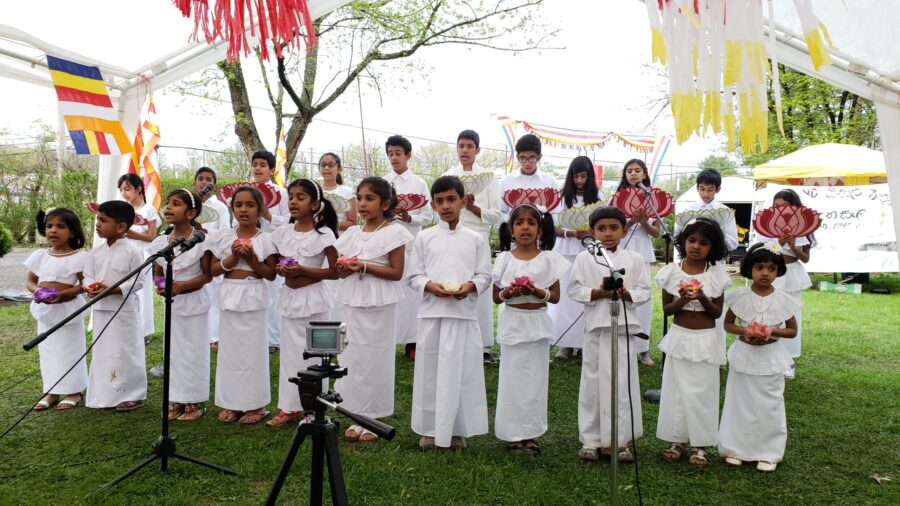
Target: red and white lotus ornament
x=632, y=200
x=547, y=197
x=777, y=221
x=271, y=196
x=407, y=202
x=94, y=208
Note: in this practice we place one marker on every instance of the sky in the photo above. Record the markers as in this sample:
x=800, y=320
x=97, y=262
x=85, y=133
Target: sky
x=598, y=80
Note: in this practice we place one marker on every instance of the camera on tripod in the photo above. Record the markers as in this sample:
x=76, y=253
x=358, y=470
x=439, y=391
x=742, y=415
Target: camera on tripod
x=326, y=338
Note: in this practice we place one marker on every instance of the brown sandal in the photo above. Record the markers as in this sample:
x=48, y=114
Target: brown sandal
x=673, y=453
x=129, y=405
x=191, y=412
x=176, y=409
x=698, y=457
x=229, y=415
x=253, y=417
x=284, y=418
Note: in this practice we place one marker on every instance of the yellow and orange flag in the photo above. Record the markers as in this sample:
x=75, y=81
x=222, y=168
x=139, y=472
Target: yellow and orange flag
x=145, y=157
x=280, y=160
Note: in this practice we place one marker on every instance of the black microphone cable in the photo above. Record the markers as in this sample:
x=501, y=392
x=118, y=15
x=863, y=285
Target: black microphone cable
x=93, y=342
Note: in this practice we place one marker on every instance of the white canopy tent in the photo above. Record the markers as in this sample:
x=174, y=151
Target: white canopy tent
x=864, y=34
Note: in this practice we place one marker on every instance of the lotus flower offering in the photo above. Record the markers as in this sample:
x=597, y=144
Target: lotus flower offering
x=786, y=219
x=692, y=286
x=347, y=261
x=271, y=196
x=547, y=197
x=757, y=331
x=95, y=208
x=92, y=286
x=44, y=294
x=522, y=281
x=407, y=202
x=633, y=200
x=577, y=218
x=286, y=261
x=477, y=182
x=340, y=204
x=239, y=241
x=451, y=286
x=160, y=283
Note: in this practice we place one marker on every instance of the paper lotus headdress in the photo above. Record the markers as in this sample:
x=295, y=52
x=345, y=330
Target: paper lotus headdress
x=547, y=197
x=632, y=200
x=577, y=218
x=786, y=219
x=477, y=182
x=407, y=202
x=271, y=196
x=138, y=219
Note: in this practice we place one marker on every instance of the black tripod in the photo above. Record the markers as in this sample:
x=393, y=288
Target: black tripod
x=324, y=433
x=164, y=446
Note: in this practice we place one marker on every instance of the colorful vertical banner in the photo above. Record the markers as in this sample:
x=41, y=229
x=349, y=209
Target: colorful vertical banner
x=660, y=148
x=281, y=160
x=509, y=131
x=86, y=109
x=145, y=157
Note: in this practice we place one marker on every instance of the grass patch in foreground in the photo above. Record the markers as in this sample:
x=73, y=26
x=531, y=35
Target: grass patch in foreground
x=842, y=416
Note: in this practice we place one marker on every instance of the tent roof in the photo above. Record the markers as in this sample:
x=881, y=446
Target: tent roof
x=825, y=165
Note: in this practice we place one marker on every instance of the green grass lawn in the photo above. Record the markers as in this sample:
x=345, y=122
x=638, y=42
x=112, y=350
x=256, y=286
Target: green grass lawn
x=843, y=415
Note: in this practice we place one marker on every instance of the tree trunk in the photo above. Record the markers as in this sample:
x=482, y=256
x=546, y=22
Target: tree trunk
x=244, y=127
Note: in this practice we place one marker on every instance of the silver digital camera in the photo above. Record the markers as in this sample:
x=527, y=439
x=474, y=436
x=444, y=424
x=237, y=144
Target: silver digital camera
x=326, y=337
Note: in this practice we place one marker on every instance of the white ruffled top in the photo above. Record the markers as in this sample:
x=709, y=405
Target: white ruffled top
x=772, y=310
x=715, y=282
x=185, y=266
x=796, y=278
x=362, y=290
x=308, y=249
x=219, y=243
x=150, y=214
x=544, y=270
x=57, y=269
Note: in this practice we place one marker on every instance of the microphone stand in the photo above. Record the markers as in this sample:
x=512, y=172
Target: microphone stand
x=613, y=282
x=164, y=446
x=653, y=395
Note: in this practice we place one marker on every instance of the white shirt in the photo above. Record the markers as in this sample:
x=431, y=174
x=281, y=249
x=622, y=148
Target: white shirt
x=488, y=200
x=544, y=270
x=443, y=256
x=587, y=274
x=219, y=244
x=729, y=228
x=108, y=264
x=519, y=180
x=151, y=215
x=411, y=183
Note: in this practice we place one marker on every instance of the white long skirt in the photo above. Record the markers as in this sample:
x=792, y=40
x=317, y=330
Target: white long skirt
x=485, y=315
x=406, y=324
x=118, y=371
x=754, y=424
x=567, y=315
x=189, y=373
x=522, y=391
x=273, y=319
x=644, y=315
x=58, y=353
x=145, y=303
x=242, y=368
x=594, y=397
x=368, y=388
x=213, y=314
x=689, y=405
x=337, y=310
x=449, y=397
x=293, y=344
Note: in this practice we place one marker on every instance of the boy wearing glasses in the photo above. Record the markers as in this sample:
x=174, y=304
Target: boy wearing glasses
x=528, y=153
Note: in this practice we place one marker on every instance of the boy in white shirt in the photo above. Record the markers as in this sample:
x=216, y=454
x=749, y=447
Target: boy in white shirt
x=594, y=397
x=448, y=268
x=202, y=178
x=399, y=152
x=480, y=213
x=118, y=375
x=709, y=183
x=528, y=154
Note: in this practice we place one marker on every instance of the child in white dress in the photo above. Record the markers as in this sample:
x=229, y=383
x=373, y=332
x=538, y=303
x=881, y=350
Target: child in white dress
x=54, y=277
x=132, y=189
x=692, y=291
x=371, y=267
x=202, y=178
x=754, y=424
x=343, y=199
x=246, y=257
x=594, y=393
x=189, y=369
x=118, y=374
x=526, y=280
x=303, y=246
x=448, y=267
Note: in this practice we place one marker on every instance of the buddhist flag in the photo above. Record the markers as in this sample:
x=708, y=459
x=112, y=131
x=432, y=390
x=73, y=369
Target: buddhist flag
x=280, y=161
x=145, y=157
x=660, y=148
x=86, y=108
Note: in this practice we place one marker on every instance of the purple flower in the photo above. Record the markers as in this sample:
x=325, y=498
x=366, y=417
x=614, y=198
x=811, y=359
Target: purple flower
x=287, y=261
x=160, y=283
x=45, y=293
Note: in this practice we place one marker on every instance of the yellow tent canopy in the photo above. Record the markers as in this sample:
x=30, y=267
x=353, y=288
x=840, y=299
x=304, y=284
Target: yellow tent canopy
x=824, y=165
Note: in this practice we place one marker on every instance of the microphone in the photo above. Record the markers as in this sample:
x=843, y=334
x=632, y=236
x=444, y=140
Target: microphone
x=169, y=230
x=205, y=191
x=590, y=244
x=643, y=188
x=196, y=238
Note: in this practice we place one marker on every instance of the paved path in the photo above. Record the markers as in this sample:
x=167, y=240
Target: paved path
x=13, y=273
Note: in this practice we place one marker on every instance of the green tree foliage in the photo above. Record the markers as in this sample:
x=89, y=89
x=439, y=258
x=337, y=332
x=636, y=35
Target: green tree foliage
x=816, y=112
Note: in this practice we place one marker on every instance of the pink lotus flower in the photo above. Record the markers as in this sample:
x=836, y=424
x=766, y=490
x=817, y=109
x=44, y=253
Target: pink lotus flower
x=693, y=285
x=45, y=293
x=286, y=261
x=92, y=286
x=346, y=261
x=248, y=242
x=758, y=331
x=522, y=281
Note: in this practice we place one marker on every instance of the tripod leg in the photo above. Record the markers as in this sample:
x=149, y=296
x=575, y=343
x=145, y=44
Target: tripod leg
x=335, y=473
x=299, y=436
x=318, y=466
x=131, y=471
x=204, y=463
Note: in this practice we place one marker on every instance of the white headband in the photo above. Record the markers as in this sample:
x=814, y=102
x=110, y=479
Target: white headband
x=193, y=204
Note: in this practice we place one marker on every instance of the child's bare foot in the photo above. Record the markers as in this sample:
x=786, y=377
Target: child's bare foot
x=284, y=418
x=368, y=436
x=253, y=417
x=69, y=402
x=45, y=403
x=129, y=405
x=229, y=415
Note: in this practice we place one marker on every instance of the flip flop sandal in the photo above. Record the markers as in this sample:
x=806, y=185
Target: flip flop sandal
x=176, y=409
x=128, y=406
x=284, y=418
x=44, y=404
x=253, y=417
x=367, y=436
x=673, y=453
x=229, y=415
x=68, y=403
x=191, y=412
x=352, y=433
x=698, y=457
